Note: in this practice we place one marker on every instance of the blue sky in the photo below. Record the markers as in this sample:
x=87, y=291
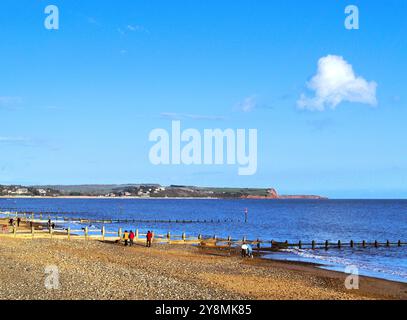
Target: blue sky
x=77, y=104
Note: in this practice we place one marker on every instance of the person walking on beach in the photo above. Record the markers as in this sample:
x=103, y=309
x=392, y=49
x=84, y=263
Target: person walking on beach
x=149, y=237
x=131, y=237
x=244, y=249
x=249, y=251
x=126, y=238
x=18, y=221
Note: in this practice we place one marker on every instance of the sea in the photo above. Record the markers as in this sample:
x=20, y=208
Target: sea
x=278, y=220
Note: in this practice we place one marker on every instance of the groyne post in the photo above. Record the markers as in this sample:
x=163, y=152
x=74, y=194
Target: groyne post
x=32, y=231
x=313, y=244
x=86, y=232
x=183, y=236
x=69, y=233
x=326, y=244
x=103, y=232
x=137, y=235
x=229, y=241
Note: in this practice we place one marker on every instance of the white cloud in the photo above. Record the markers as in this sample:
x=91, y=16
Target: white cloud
x=14, y=140
x=248, y=104
x=6, y=101
x=131, y=28
x=136, y=28
x=336, y=82
x=11, y=139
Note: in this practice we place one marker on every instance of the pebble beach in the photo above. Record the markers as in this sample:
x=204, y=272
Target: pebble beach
x=99, y=270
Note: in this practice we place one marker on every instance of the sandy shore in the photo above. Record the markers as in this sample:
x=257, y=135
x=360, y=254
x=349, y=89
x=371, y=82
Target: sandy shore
x=98, y=270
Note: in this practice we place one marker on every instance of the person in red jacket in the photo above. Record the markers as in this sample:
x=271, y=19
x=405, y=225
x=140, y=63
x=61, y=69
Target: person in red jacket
x=149, y=238
x=131, y=237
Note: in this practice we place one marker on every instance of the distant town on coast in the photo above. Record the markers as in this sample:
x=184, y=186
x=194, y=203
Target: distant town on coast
x=144, y=191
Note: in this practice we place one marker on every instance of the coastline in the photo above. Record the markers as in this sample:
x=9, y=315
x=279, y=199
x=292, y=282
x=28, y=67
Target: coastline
x=163, y=198
x=120, y=198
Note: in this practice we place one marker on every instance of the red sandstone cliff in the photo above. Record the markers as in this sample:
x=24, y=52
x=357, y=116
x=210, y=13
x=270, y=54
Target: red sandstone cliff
x=272, y=194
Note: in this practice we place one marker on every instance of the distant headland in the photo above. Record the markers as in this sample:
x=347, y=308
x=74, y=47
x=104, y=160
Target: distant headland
x=142, y=191
x=272, y=194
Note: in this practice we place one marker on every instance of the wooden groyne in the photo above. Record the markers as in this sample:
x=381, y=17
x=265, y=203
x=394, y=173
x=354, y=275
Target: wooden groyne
x=90, y=234
x=43, y=231
x=273, y=244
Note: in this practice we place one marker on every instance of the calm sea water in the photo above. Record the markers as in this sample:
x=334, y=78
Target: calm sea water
x=281, y=220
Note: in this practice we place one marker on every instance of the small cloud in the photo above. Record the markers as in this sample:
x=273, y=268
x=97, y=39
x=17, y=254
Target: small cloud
x=396, y=98
x=123, y=51
x=9, y=101
x=92, y=20
x=136, y=28
x=336, y=82
x=182, y=116
x=28, y=143
x=132, y=28
x=14, y=140
x=248, y=104
x=11, y=139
